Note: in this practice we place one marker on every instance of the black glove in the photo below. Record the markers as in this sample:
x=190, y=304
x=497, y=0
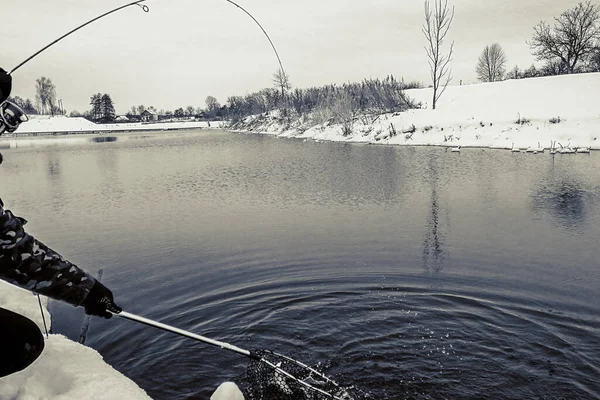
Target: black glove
x=5, y=85
x=99, y=301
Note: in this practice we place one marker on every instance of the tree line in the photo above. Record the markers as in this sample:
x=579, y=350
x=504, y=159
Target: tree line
x=332, y=102
x=571, y=44
x=45, y=99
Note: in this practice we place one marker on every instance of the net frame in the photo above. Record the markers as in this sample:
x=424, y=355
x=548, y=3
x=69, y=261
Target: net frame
x=274, y=376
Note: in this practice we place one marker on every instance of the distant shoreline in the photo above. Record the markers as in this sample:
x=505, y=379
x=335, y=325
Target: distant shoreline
x=528, y=115
x=95, y=132
x=62, y=125
x=558, y=112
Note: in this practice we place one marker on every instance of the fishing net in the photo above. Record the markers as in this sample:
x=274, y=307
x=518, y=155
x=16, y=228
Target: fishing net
x=272, y=376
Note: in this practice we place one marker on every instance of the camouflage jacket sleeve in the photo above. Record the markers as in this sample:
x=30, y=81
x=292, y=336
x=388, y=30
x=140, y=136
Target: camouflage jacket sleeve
x=30, y=264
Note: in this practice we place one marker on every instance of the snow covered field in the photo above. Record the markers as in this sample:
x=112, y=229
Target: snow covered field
x=562, y=109
x=67, y=370
x=62, y=124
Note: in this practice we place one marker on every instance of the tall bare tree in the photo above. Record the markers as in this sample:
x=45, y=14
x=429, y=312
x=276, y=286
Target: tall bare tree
x=573, y=38
x=45, y=94
x=491, y=64
x=436, y=27
x=281, y=80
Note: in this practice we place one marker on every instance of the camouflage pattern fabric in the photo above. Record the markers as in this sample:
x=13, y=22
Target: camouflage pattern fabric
x=30, y=264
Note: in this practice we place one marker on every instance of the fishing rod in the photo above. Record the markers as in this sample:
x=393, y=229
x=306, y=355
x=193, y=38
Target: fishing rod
x=145, y=8
x=11, y=115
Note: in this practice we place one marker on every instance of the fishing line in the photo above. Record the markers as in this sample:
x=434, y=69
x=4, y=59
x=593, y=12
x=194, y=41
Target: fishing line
x=145, y=8
x=43, y=317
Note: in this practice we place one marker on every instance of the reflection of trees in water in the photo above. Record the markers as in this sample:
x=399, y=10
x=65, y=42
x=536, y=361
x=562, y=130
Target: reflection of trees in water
x=104, y=139
x=53, y=168
x=564, y=197
x=564, y=201
x=55, y=178
x=433, y=244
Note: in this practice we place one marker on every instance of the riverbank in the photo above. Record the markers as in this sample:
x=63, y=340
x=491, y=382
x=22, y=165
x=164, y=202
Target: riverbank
x=84, y=376
x=526, y=113
x=62, y=125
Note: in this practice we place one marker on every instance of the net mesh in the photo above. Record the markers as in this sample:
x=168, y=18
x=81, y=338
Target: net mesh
x=263, y=382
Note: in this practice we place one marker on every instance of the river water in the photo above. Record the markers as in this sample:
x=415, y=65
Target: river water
x=409, y=272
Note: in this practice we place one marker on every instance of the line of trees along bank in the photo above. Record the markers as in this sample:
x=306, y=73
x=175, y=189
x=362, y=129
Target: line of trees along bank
x=335, y=103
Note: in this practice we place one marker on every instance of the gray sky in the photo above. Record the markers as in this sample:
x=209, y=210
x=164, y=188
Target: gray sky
x=184, y=50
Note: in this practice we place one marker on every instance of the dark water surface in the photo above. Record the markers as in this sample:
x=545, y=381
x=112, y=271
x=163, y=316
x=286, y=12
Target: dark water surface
x=409, y=272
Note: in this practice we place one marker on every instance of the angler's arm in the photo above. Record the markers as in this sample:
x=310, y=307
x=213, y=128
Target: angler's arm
x=30, y=264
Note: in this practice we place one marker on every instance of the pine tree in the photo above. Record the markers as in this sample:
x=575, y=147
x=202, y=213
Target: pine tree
x=96, y=103
x=108, y=108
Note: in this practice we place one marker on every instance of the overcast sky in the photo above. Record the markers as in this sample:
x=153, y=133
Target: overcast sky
x=184, y=50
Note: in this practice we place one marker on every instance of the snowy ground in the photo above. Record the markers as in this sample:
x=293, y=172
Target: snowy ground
x=62, y=124
x=67, y=370
x=480, y=115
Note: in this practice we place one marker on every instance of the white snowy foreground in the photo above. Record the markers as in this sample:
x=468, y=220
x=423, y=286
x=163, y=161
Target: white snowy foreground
x=67, y=370
x=561, y=109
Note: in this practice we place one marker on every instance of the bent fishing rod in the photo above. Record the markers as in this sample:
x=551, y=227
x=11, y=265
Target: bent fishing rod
x=145, y=8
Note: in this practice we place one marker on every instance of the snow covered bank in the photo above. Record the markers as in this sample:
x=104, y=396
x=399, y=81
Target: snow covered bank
x=61, y=124
x=525, y=112
x=67, y=370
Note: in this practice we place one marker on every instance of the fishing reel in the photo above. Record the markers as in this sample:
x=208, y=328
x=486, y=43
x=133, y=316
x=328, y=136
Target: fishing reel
x=11, y=116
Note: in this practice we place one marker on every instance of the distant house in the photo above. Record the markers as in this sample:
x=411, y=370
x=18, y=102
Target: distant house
x=149, y=116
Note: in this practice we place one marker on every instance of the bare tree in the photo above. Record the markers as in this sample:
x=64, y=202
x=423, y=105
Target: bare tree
x=190, y=111
x=343, y=108
x=491, y=64
x=572, y=39
x=436, y=27
x=594, y=63
x=212, y=105
x=45, y=94
x=281, y=80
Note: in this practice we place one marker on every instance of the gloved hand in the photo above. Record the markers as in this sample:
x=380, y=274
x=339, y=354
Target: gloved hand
x=5, y=85
x=99, y=301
